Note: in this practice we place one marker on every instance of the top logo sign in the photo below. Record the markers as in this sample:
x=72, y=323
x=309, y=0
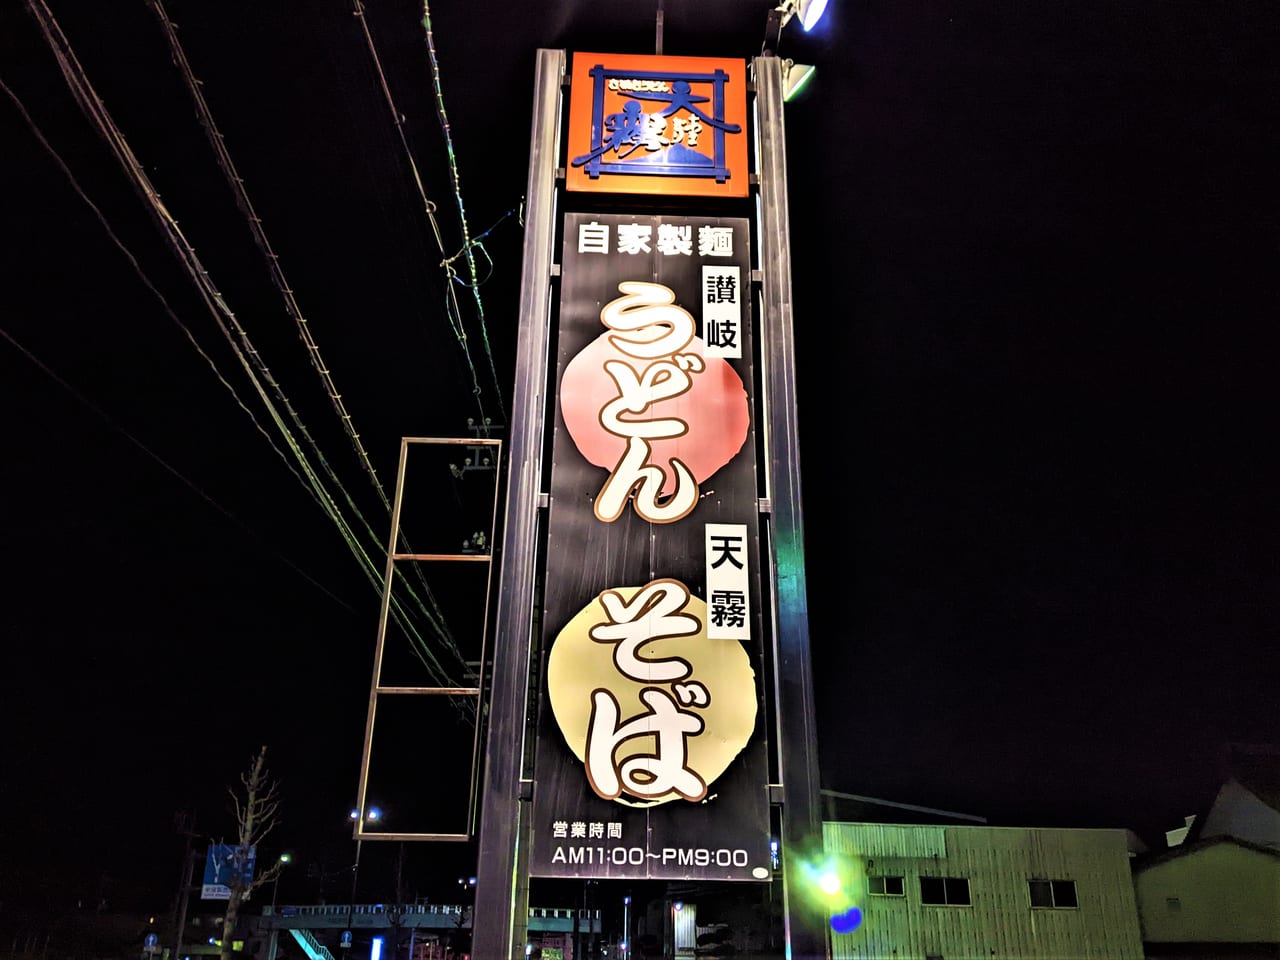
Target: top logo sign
x=669, y=126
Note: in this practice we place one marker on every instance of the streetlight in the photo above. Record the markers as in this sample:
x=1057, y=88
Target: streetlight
x=809, y=12
x=468, y=897
x=275, y=887
x=371, y=815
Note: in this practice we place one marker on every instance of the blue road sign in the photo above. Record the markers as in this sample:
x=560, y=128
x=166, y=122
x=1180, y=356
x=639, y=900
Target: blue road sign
x=224, y=866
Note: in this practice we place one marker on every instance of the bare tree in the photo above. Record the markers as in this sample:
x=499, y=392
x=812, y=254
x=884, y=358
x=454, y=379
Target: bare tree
x=256, y=806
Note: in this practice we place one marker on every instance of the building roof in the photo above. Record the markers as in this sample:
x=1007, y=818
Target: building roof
x=856, y=807
x=1252, y=766
x=1193, y=847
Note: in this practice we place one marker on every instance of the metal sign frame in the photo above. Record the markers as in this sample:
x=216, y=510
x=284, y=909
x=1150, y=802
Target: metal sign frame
x=378, y=689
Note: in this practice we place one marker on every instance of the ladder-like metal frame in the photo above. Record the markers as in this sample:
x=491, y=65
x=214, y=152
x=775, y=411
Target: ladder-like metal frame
x=377, y=689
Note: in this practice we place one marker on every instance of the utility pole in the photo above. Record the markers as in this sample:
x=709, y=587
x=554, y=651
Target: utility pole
x=399, y=907
x=188, y=873
x=577, y=925
x=186, y=825
x=355, y=878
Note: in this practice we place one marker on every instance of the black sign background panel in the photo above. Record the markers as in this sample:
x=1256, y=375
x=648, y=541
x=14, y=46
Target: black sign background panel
x=586, y=556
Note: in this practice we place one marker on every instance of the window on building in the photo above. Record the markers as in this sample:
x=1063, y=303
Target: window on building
x=947, y=891
x=1050, y=894
x=886, y=887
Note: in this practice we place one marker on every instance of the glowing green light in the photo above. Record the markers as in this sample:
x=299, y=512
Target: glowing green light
x=829, y=883
x=798, y=77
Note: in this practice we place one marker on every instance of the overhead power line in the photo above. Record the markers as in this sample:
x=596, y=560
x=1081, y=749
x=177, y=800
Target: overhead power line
x=251, y=362
x=236, y=183
x=165, y=464
x=146, y=282
x=468, y=248
x=238, y=189
x=453, y=310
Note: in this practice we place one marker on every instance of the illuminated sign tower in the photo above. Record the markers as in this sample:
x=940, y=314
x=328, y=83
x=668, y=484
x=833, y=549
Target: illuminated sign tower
x=652, y=577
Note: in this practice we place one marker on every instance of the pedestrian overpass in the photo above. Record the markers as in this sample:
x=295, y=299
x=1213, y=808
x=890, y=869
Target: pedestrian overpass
x=317, y=928
x=420, y=916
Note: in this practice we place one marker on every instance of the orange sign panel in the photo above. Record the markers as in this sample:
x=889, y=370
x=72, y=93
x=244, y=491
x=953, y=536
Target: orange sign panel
x=666, y=126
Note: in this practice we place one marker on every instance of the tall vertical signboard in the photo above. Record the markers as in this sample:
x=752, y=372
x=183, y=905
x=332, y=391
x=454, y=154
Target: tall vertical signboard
x=661, y=589
x=651, y=758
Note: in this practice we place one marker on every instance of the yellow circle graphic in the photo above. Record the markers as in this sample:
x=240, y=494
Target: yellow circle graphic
x=654, y=709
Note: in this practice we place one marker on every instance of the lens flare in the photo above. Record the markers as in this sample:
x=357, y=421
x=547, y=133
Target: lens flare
x=848, y=921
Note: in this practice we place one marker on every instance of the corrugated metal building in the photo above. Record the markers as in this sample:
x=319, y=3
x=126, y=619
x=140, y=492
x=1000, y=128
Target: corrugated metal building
x=986, y=893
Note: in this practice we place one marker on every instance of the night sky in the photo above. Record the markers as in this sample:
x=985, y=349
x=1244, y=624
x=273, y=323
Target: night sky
x=1036, y=304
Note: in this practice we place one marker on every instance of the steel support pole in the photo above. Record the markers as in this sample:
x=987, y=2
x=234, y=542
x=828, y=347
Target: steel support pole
x=502, y=889
x=806, y=934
